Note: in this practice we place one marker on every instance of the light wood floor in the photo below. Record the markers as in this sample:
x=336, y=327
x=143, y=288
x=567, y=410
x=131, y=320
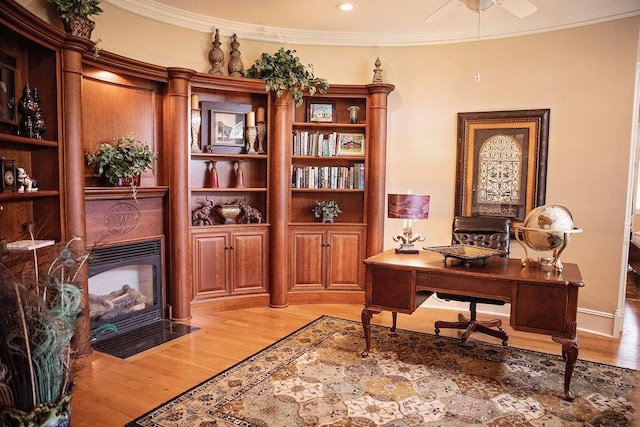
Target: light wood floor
x=112, y=391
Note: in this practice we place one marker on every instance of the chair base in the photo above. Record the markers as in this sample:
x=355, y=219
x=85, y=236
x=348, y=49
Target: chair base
x=471, y=326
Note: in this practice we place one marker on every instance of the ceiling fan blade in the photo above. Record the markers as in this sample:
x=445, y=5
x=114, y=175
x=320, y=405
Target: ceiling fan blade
x=519, y=8
x=442, y=11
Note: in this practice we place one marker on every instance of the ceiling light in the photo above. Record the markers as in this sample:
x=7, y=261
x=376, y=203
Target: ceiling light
x=346, y=7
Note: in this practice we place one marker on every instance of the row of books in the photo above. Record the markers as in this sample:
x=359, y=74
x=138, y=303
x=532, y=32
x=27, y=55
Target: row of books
x=331, y=177
x=333, y=144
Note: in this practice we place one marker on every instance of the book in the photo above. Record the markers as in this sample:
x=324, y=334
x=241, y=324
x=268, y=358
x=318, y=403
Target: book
x=28, y=245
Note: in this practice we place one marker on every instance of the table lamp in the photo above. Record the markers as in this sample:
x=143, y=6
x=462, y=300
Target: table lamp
x=409, y=207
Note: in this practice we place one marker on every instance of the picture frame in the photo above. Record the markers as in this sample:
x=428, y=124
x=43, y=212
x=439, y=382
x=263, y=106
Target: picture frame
x=223, y=125
x=501, y=163
x=320, y=112
x=351, y=144
x=7, y=89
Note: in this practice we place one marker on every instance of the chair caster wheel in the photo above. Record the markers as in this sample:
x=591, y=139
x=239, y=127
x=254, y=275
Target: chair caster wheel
x=437, y=331
x=505, y=343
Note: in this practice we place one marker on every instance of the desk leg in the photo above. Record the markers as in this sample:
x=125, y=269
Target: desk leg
x=570, y=355
x=367, y=314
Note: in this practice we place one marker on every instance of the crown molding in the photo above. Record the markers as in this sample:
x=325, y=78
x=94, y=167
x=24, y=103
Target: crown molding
x=160, y=12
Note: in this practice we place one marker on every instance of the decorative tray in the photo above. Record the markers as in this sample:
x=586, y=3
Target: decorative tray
x=465, y=252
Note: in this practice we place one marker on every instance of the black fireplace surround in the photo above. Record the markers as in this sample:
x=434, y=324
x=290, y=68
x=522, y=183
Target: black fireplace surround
x=125, y=286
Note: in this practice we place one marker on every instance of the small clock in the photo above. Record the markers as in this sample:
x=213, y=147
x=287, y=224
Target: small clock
x=8, y=175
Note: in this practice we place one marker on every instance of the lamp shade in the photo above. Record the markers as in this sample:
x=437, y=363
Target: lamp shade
x=408, y=206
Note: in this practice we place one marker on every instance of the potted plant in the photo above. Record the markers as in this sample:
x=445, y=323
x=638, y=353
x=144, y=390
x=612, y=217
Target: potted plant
x=326, y=210
x=36, y=356
x=283, y=72
x=75, y=15
x=124, y=161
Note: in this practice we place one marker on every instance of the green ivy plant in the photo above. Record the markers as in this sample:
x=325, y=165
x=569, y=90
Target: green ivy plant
x=69, y=8
x=124, y=160
x=283, y=72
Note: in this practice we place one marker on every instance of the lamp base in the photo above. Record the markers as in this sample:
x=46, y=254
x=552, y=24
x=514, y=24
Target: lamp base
x=407, y=248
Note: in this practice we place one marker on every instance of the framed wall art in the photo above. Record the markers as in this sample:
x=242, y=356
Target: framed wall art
x=223, y=126
x=320, y=112
x=350, y=144
x=501, y=163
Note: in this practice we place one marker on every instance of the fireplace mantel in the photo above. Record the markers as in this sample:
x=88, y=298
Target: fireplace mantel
x=105, y=193
x=114, y=216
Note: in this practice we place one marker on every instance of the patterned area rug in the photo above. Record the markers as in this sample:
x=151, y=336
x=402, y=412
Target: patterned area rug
x=316, y=377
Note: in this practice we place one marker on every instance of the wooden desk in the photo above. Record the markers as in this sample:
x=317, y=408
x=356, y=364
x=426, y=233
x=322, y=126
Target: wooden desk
x=542, y=302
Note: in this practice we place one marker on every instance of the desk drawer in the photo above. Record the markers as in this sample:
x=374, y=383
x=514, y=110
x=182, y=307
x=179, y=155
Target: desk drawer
x=463, y=285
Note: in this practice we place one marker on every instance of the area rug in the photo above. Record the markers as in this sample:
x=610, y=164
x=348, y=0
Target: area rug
x=316, y=377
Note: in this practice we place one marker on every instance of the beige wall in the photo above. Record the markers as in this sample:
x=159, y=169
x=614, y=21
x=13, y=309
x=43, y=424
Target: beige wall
x=584, y=75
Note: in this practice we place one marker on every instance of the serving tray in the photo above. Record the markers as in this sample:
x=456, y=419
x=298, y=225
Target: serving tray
x=465, y=252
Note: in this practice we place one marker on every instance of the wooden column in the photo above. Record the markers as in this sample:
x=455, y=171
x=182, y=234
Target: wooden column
x=73, y=161
x=176, y=162
x=279, y=182
x=377, y=159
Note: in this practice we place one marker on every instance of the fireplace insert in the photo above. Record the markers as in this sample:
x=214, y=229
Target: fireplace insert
x=126, y=286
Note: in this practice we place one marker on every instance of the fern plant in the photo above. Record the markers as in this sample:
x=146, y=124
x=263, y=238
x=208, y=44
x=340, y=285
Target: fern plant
x=284, y=72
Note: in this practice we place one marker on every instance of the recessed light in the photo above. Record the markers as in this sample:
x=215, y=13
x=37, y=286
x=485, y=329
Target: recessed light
x=346, y=7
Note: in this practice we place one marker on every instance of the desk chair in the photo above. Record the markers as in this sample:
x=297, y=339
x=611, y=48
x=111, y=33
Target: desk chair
x=488, y=232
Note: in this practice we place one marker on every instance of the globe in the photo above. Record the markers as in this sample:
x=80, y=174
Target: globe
x=556, y=219
x=546, y=228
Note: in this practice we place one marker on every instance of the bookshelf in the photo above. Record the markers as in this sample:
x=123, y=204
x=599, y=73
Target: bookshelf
x=332, y=157
x=229, y=258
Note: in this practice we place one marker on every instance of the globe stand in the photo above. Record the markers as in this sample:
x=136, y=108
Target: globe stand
x=552, y=261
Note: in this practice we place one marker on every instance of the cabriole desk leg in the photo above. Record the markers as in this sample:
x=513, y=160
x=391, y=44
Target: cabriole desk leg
x=367, y=314
x=570, y=355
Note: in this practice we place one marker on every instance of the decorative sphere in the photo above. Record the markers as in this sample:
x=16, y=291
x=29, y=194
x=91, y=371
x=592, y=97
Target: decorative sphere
x=556, y=219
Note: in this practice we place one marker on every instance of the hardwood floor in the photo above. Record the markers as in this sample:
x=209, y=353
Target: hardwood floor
x=112, y=391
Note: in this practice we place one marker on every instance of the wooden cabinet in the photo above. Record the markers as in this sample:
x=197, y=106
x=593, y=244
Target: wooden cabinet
x=229, y=257
x=334, y=156
x=230, y=261
x=26, y=59
x=327, y=258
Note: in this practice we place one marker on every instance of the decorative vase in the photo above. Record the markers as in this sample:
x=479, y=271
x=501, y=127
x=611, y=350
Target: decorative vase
x=353, y=113
x=212, y=175
x=326, y=217
x=44, y=415
x=239, y=175
x=79, y=26
x=126, y=182
x=229, y=213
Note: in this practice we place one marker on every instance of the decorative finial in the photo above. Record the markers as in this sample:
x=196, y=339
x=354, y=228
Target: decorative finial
x=236, y=69
x=377, y=72
x=216, y=56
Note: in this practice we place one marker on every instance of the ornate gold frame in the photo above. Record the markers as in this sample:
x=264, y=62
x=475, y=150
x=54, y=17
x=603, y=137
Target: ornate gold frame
x=529, y=130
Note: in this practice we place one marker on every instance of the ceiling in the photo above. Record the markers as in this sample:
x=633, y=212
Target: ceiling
x=373, y=22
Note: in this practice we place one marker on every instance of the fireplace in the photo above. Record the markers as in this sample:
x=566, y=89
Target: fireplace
x=125, y=286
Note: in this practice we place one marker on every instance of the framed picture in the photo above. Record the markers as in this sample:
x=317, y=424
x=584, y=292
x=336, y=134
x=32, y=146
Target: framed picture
x=351, y=144
x=7, y=89
x=320, y=112
x=223, y=126
x=501, y=163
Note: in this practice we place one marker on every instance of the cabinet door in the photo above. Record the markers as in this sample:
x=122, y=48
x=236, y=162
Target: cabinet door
x=249, y=262
x=345, y=255
x=307, y=261
x=210, y=265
